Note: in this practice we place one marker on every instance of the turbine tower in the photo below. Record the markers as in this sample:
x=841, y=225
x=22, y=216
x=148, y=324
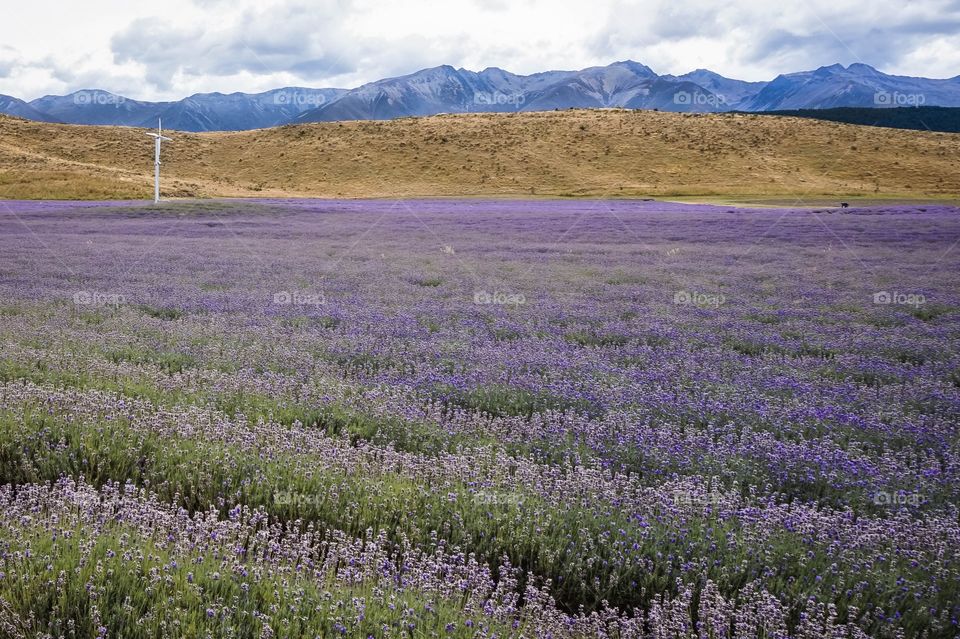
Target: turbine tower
x=158, y=137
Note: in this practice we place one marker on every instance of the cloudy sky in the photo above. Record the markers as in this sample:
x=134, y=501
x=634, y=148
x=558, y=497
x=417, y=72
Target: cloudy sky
x=167, y=49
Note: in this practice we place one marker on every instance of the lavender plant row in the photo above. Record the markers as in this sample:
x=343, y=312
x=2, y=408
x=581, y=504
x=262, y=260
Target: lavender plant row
x=478, y=418
x=119, y=532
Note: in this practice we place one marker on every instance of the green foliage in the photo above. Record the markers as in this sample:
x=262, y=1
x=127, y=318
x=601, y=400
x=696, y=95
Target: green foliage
x=161, y=312
x=923, y=118
x=508, y=401
x=588, y=338
x=930, y=312
x=169, y=361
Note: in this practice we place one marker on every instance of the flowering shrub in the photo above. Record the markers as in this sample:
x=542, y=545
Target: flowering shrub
x=478, y=419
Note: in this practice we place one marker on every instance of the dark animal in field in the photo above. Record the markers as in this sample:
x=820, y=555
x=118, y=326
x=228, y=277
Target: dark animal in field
x=844, y=205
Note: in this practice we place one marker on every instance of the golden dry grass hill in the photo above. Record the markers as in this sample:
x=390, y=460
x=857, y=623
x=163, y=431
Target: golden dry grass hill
x=596, y=153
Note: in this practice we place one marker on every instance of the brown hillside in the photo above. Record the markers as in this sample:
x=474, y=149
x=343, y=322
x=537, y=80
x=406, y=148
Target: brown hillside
x=607, y=153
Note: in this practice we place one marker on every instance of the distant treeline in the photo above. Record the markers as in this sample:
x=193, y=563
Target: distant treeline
x=925, y=118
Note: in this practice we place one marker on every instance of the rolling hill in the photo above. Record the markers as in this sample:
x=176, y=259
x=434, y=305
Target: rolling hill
x=595, y=153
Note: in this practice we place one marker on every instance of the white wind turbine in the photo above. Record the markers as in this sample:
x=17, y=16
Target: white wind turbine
x=159, y=137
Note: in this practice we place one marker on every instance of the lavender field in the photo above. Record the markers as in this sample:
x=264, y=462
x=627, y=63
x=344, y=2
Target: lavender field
x=478, y=419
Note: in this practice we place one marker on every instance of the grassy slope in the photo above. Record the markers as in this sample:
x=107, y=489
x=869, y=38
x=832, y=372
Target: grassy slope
x=608, y=153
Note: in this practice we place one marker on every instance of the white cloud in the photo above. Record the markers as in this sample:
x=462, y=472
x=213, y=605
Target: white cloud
x=149, y=50
x=758, y=39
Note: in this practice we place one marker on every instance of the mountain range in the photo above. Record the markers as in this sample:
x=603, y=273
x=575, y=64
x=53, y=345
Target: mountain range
x=445, y=89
